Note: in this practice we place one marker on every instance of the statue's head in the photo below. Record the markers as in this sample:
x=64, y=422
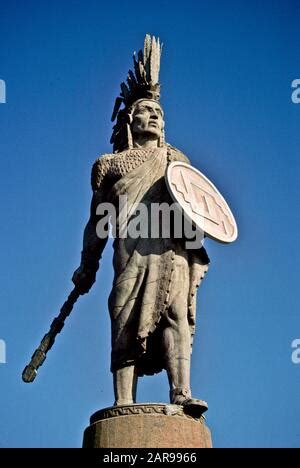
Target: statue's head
x=142, y=114
x=147, y=119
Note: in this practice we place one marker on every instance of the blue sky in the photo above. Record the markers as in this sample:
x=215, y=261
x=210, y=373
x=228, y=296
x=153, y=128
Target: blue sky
x=226, y=76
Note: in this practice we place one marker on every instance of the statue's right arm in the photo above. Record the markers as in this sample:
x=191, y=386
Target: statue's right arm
x=85, y=276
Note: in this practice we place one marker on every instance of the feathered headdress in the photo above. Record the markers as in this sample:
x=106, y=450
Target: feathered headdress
x=140, y=84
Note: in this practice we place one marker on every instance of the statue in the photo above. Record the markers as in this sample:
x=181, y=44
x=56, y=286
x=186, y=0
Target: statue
x=152, y=304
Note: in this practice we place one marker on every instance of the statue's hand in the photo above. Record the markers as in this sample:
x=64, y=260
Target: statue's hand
x=84, y=278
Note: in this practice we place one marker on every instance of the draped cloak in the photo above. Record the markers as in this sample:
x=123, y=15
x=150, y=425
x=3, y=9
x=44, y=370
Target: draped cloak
x=144, y=277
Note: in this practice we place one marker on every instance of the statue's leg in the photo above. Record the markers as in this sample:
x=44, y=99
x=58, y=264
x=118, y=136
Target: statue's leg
x=177, y=351
x=125, y=384
x=177, y=342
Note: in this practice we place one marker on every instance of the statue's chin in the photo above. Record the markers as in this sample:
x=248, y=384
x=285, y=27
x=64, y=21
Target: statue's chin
x=152, y=134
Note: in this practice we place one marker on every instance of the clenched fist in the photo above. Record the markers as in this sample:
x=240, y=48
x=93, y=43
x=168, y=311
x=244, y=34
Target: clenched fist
x=84, y=278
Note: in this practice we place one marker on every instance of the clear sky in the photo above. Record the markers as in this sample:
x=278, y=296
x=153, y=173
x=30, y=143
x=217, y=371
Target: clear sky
x=226, y=76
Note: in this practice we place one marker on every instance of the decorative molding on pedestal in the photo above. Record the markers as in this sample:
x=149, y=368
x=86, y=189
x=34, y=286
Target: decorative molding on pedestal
x=148, y=425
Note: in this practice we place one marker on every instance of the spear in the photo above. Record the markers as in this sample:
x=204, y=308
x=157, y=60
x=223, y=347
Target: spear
x=39, y=356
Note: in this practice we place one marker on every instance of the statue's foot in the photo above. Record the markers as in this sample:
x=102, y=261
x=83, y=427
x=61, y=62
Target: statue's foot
x=123, y=402
x=191, y=406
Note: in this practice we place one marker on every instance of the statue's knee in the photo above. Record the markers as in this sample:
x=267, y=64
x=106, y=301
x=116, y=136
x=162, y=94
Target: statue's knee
x=178, y=314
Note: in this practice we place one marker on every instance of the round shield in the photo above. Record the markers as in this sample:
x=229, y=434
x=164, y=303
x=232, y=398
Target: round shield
x=201, y=202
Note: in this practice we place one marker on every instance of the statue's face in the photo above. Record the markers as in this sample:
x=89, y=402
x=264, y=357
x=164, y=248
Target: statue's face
x=147, y=118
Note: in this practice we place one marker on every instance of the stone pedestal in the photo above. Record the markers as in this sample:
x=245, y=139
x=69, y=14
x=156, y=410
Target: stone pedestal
x=147, y=425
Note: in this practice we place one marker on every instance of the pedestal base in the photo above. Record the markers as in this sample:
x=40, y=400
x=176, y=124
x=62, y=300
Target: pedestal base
x=148, y=425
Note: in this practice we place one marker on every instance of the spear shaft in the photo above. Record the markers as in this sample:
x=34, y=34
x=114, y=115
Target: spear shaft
x=39, y=356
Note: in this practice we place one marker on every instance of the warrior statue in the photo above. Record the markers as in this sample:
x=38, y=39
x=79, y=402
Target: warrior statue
x=152, y=304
